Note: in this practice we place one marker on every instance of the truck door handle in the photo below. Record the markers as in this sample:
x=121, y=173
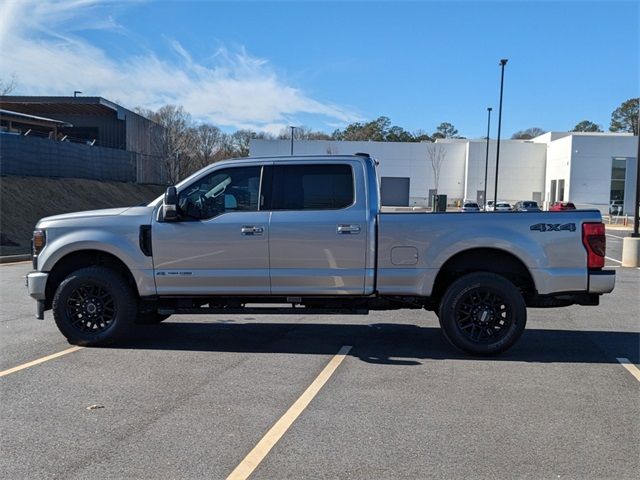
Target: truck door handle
x=251, y=230
x=348, y=229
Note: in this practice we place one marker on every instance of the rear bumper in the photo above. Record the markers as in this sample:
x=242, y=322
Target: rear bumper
x=602, y=282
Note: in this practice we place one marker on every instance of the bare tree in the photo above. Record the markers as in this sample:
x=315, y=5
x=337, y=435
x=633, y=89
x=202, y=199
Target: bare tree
x=208, y=141
x=241, y=139
x=176, y=138
x=528, y=134
x=8, y=85
x=436, y=155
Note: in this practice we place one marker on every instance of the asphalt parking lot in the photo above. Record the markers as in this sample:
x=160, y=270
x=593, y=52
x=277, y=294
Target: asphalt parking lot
x=192, y=397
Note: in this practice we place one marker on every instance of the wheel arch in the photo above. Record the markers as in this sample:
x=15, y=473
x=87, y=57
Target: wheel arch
x=491, y=260
x=84, y=258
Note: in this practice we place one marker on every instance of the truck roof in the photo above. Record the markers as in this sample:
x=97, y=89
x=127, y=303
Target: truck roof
x=303, y=157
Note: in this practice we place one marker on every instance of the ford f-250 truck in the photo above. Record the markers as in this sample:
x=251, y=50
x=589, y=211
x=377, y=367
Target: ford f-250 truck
x=252, y=235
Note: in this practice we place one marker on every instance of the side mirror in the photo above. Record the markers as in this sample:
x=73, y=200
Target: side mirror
x=170, y=205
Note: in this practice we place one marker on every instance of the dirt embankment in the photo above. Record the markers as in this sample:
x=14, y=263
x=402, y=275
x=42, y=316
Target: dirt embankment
x=25, y=200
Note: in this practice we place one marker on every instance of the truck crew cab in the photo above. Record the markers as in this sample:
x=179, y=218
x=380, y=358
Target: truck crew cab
x=308, y=235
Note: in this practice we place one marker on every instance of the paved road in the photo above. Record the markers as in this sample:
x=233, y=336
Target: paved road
x=192, y=397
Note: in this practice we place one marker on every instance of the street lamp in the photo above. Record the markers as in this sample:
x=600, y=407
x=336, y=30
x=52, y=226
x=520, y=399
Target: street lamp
x=486, y=161
x=292, y=129
x=636, y=203
x=503, y=62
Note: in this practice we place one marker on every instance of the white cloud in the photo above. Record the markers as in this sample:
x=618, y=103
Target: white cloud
x=234, y=89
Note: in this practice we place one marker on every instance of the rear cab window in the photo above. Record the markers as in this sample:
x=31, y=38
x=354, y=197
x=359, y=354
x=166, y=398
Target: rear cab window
x=312, y=187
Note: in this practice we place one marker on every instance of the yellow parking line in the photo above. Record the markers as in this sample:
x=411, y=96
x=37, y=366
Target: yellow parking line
x=260, y=451
x=631, y=368
x=38, y=361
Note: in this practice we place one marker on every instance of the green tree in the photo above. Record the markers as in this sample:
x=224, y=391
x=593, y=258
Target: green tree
x=528, y=133
x=398, y=134
x=375, y=130
x=381, y=130
x=625, y=117
x=445, y=130
x=421, y=136
x=586, y=126
x=302, y=133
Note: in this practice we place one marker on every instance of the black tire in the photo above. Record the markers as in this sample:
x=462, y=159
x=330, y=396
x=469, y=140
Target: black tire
x=482, y=314
x=94, y=306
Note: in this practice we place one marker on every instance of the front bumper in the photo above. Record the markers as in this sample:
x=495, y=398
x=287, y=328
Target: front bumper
x=602, y=282
x=36, y=284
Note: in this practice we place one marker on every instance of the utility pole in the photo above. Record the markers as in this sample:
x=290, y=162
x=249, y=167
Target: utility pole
x=486, y=161
x=503, y=62
x=292, y=129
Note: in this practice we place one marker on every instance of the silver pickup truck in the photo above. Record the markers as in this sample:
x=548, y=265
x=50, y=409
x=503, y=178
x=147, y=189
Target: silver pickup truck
x=308, y=235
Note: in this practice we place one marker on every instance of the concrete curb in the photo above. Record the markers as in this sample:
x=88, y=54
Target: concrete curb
x=15, y=258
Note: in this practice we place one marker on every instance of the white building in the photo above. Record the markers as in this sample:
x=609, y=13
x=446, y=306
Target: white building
x=588, y=169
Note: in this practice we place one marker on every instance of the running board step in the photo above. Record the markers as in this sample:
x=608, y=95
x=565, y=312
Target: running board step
x=264, y=311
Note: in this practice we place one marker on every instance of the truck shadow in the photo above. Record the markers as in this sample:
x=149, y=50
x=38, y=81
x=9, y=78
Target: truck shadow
x=390, y=344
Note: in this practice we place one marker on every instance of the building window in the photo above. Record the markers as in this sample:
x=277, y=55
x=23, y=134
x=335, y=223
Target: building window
x=618, y=176
x=553, y=190
x=560, y=190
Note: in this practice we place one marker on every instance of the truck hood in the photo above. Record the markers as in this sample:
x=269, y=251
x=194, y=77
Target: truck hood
x=105, y=212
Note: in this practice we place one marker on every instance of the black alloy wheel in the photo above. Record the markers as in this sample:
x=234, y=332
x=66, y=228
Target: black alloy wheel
x=482, y=313
x=91, y=308
x=95, y=306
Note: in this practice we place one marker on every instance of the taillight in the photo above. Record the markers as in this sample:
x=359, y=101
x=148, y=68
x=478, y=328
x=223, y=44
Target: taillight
x=595, y=242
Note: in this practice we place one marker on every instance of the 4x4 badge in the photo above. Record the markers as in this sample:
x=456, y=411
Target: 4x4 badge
x=553, y=227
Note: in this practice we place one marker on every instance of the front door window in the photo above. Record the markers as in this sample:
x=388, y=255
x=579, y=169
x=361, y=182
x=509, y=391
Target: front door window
x=229, y=190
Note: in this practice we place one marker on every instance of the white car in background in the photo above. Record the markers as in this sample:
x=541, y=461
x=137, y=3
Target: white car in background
x=500, y=206
x=469, y=206
x=616, y=207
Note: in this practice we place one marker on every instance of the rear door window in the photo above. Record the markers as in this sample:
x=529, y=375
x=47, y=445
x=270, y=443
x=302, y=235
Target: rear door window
x=312, y=187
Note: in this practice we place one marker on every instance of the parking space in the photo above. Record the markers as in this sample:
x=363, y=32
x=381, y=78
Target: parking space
x=192, y=397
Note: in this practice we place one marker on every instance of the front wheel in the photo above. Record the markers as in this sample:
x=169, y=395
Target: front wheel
x=94, y=306
x=482, y=314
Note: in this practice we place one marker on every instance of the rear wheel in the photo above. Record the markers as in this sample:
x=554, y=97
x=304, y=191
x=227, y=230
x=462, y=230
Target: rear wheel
x=482, y=314
x=94, y=306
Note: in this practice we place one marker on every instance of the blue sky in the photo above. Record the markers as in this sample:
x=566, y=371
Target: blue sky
x=265, y=65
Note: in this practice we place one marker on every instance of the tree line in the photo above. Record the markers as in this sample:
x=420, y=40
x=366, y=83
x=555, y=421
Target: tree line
x=623, y=119
x=191, y=145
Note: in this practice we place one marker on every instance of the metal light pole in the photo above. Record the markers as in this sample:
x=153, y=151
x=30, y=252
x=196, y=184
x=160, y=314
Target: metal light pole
x=292, y=129
x=503, y=62
x=636, y=205
x=486, y=160
x=631, y=245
